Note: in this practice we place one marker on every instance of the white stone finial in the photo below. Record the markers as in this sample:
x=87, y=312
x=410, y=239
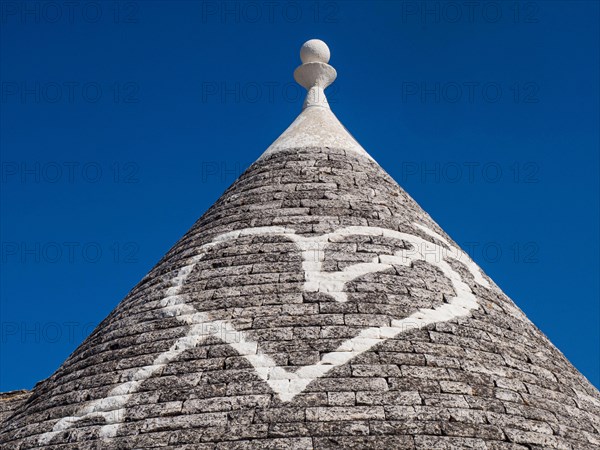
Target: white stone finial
x=315, y=74
x=315, y=50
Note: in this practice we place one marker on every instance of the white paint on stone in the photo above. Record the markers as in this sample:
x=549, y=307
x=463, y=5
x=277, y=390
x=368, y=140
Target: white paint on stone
x=289, y=384
x=458, y=255
x=314, y=50
x=316, y=126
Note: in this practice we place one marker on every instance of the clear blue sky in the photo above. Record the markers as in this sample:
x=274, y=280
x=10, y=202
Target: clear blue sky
x=121, y=126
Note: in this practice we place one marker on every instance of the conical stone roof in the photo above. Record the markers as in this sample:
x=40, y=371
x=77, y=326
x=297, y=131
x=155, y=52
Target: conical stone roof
x=314, y=305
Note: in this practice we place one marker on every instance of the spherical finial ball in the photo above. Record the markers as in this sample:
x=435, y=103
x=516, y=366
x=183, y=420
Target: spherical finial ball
x=314, y=50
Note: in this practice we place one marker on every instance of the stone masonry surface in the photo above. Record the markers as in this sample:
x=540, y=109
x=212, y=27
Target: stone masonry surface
x=489, y=380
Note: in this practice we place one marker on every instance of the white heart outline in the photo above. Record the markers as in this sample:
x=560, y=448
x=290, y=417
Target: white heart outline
x=289, y=384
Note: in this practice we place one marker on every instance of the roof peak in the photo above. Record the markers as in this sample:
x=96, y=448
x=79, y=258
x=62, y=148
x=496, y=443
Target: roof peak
x=316, y=126
x=315, y=74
